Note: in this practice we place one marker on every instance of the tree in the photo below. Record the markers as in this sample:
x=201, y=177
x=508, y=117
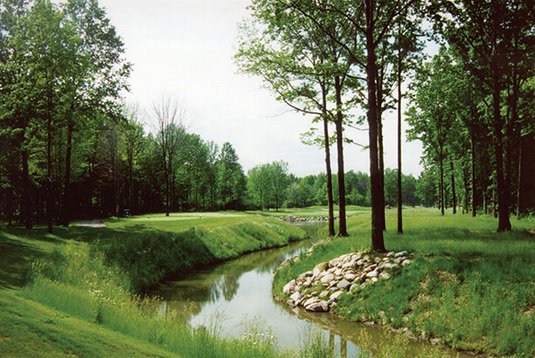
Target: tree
x=230, y=178
x=171, y=133
x=494, y=39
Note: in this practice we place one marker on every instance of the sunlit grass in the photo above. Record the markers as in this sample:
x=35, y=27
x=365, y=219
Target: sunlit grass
x=469, y=286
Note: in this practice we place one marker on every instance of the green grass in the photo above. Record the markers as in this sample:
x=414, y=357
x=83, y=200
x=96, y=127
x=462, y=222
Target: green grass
x=73, y=293
x=312, y=211
x=469, y=286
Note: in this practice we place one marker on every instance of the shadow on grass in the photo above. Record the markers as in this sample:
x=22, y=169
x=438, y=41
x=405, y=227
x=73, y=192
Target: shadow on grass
x=15, y=257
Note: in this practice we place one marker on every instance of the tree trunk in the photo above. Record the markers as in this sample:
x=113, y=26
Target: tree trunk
x=399, y=178
x=453, y=192
x=377, y=229
x=26, y=193
x=49, y=161
x=519, y=183
x=342, y=229
x=66, y=206
x=473, y=159
x=332, y=231
x=441, y=185
x=380, y=153
x=502, y=186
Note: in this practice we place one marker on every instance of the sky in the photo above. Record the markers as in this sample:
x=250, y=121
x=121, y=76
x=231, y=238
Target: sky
x=183, y=49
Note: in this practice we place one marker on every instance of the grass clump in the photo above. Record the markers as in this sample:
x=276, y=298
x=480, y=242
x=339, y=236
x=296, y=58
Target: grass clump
x=467, y=287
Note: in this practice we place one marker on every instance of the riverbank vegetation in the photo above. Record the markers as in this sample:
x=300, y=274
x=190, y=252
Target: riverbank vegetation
x=91, y=278
x=467, y=288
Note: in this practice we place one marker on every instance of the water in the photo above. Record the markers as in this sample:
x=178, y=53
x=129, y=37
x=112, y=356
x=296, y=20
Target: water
x=236, y=298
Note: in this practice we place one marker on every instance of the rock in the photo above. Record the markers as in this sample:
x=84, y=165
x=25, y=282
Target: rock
x=406, y=263
x=325, y=280
x=320, y=306
x=389, y=266
x=310, y=301
x=354, y=287
x=360, y=262
x=334, y=297
x=390, y=254
x=350, y=276
x=307, y=283
x=324, y=294
x=372, y=274
x=343, y=284
x=377, y=259
x=374, y=279
x=401, y=254
x=295, y=297
x=385, y=276
x=289, y=287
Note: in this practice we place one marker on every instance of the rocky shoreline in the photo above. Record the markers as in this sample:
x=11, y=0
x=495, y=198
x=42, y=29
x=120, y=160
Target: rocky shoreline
x=318, y=290
x=304, y=219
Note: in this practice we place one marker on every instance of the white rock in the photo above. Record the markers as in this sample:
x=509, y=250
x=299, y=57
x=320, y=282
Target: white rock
x=406, y=263
x=289, y=287
x=326, y=280
x=295, y=296
x=324, y=294
x=401, y=254
x=350, y=276
x=385, y=276
x=343, y=284
x=372, y=274
x=335, y=296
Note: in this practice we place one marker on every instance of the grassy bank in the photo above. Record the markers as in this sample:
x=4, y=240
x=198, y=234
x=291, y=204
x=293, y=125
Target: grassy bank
x=79, y=296
x=469, y=287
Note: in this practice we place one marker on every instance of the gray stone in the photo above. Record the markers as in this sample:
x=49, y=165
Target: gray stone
x=372, y=274
x=325, y=280
x=401, y=254
x=295, y=296
x=350, y=276
x=320, y=306
x=406, y=263
x=343, y=284
x=335, y=296
x=385, y=276
x=289, y=287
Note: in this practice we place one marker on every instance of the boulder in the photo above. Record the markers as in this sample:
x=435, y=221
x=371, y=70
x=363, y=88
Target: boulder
x=289, y=287
x=343, y=284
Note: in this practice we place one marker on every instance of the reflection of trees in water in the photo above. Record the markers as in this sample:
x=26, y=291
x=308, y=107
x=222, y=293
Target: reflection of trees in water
x=189, y=295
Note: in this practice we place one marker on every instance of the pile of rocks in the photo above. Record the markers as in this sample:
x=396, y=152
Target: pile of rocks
x=304, y=219
x=319, y=289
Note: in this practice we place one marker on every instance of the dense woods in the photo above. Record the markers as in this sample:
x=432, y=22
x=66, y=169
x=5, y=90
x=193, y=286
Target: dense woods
x=71, y=148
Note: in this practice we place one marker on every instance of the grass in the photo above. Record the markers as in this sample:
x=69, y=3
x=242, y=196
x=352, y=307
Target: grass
x=469, y=287
x=73, y=293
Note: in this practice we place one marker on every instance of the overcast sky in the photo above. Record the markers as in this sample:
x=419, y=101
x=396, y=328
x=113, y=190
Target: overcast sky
x=184, y=49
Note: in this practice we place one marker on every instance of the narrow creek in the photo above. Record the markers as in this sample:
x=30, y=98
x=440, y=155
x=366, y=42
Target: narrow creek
x=235, y=297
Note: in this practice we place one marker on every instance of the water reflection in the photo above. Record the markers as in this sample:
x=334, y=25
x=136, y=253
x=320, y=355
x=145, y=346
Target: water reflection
x=237, y=294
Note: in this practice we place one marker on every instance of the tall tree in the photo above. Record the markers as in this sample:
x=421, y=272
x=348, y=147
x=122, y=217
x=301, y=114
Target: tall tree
x=171, y=133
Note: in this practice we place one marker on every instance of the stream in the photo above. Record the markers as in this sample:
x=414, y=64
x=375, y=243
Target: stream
x=235, y=298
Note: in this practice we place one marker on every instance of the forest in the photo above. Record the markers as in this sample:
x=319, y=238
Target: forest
x=121, y=226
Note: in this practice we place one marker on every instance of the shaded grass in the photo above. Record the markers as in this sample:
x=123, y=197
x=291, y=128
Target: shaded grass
x=468, y=286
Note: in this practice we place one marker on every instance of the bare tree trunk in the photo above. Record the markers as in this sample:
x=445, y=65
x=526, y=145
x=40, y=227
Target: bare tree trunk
x=49, y=161
x=26, y=193
x=441, y=185
x=342, y=229
x=453, y=193
x=399, y=176
x=377, y=229
x=473, y=160
x=502, y=186
x=66, y=206
x=330, y=203
x=519, y=183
